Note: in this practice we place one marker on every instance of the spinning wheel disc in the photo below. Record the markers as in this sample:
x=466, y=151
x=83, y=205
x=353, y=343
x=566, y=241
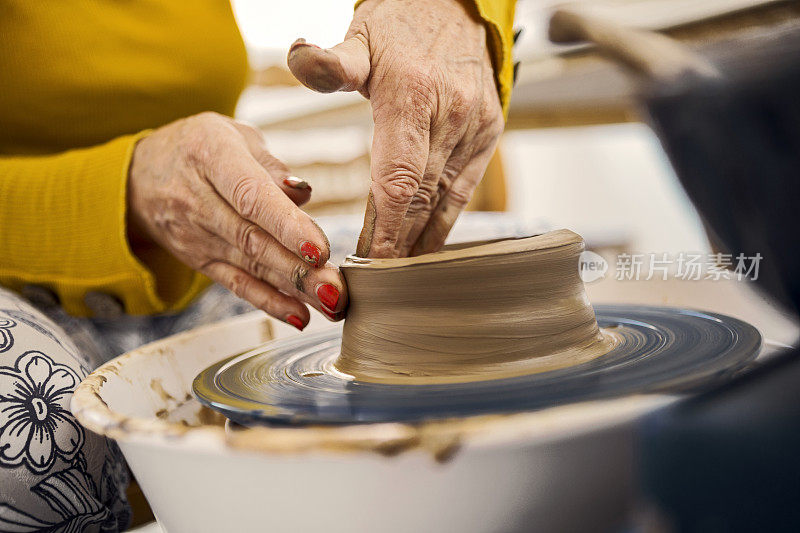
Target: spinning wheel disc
x=294, y=381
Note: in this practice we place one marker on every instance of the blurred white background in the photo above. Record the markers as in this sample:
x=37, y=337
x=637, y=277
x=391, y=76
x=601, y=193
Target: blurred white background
x=269, y=27
x=609, y=183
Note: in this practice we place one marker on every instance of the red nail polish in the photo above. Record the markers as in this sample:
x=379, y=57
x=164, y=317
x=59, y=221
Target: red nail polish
x=331, y=315
x=295, y=321
x=296, y=183
x=328, y=295
x=310, y=253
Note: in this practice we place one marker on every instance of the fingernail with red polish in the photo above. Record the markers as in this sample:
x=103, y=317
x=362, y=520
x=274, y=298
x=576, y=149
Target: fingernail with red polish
x=331, y=315
x=310, y=253
x=295, y=321
x=328, y=295
x=296, y=183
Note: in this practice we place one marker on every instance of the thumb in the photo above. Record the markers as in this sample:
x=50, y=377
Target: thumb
x=345, y=67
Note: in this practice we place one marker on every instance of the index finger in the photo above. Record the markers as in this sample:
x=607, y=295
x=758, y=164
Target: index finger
x=400, y=148
x=250, y=190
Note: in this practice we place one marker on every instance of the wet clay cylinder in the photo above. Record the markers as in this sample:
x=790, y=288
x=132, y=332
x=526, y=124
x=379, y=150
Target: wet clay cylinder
x=470, y=312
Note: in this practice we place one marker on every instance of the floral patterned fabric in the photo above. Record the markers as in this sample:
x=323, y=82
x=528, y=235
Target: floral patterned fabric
x=55, y=476
x=35, y=424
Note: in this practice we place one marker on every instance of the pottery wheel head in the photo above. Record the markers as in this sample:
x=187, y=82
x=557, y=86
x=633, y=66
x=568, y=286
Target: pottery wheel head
x=472, y=311
x=486, y=328
x=294, y=380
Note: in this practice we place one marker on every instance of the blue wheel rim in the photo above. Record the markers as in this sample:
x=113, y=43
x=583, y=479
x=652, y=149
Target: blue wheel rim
x=664, y=350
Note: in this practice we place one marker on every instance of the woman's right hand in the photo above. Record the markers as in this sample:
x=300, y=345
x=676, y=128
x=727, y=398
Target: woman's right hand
x=206, y=190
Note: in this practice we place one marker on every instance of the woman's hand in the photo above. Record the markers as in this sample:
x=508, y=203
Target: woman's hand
x=206, y=190
x=426, y=69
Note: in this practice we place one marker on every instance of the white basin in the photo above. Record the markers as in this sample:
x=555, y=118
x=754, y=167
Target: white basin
x=562, y=469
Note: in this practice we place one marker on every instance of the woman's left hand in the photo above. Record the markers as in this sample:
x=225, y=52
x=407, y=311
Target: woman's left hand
x=427, y=71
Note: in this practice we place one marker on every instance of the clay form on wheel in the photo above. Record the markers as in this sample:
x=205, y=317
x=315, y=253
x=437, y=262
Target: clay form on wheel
x=491, y=328
x=470, y=312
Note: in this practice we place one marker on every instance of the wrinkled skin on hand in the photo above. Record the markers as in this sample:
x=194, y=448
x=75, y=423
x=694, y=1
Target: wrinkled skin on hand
x=426, y=69
x=206, y=190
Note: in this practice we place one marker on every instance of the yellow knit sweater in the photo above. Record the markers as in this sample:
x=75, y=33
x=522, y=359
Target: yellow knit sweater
x=80, y=82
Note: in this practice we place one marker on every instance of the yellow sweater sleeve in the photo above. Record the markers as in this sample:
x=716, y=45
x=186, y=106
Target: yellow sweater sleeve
x=62, y=226
x=498, y=15
x=499, y=18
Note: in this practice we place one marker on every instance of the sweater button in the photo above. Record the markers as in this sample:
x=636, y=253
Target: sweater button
x=40, y=297
x=104, y=305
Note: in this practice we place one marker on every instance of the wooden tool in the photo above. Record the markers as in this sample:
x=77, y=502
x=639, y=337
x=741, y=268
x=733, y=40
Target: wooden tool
x=649, y=54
